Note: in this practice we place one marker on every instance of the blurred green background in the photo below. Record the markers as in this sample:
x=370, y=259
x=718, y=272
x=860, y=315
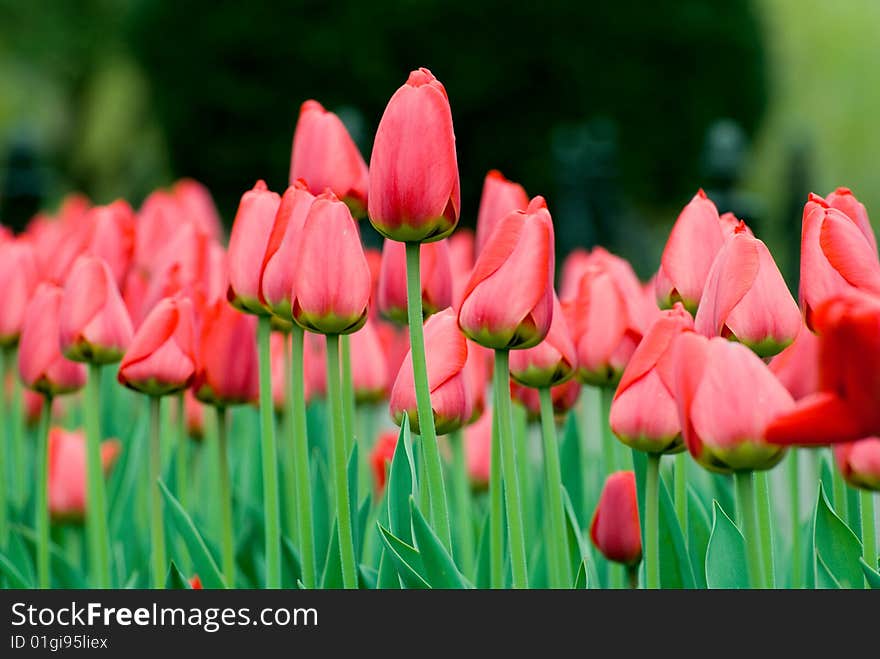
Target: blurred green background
x=616, y=112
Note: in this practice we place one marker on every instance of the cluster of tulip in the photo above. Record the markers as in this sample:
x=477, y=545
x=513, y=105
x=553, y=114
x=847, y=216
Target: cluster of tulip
x=712, y=358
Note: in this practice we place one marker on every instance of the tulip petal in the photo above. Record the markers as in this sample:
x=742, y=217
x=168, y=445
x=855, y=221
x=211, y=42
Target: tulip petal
x=731, y=276
x=817, y=420
x=848, y=252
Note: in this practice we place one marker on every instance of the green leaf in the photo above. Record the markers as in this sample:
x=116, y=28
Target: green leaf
x=581, y=581
x=352, y=468
x=291, y=566
x=16, y=578
x=406, y=559
x=726, y=565
x=576, y=548
x=483, y=576
x=401, y=485
x=570, y=459
x=440, y=570
x=837, y=548
x=387, y=579
x=175, y=580
x=367, y=577
x=19, y=556
x=872, y=576
x=824, y=579
x=205, y=565
x=699, y=530
x=360, y=527
x=332, y=576
x=323, y=512
x=64, y=573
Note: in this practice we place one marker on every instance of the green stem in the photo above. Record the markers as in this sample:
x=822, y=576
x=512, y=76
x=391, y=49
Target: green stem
x=585, y=426
x=869, y=528
x=228, y=546
x=557, y=559
x=609, y=457
x=271, y=507
x=433, y=463
x=181, y=462
x=680, y=480
x=340, y=470
x=41, y=510
x=297, y=405
x=652, y=522
x=96, y=497
x=347, y=394
x=287, y=451
x=496, y=506
x=794, y=495
x=838, y=492
x=748, y=520
x=516, y=535
x=462, y=492
x=632, y=573
x=18, y=485
x=5, y=451
x=765, y=527
x=157, y=528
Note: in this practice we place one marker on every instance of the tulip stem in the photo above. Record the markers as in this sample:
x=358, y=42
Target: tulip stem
x=181, y=462
x=157, y=528
x=869, y=528
x=681, y=502
x=462, y=492
x=652, y=522
x=41, y=509
x=632, y=573
x=225, y=498
x=765, y=527
x=516, y=535
x=348, y=403
x=297, y=407
x=748, y=520
x=557, y=558
x=271, y=507
x=794, y=494
x=496, y=503
x=17, y=484
x=291, y=527
x=433, y=463
x=96, y=497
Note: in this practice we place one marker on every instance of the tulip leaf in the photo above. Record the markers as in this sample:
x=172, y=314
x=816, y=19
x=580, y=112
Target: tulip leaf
x=175, y=580
x=205, y=565
x=406, y=559
x=367, y=577
x=64, y=573
x=322, y=506
x=871, y=575
x=353, y=469
x=291, y=566
x=19, y=555
x=581, y=581
x=824, y=579
x=837, y=547
x=11, y=572
x=360, y=528
x=483, y=577
x=570, y=459
x=576, y=549
x=401, y=485
x=726, y=565
x=440, y=570
x=387, y=579
x=699, y=531
x=332, y=576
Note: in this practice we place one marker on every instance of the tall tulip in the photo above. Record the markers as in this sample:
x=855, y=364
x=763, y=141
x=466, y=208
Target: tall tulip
x=197, y=206
x=227, y=358
x=859, y=462
x=436, y=280
x=113, y=236
x=18, y=279
x=461, y=262
x=615, y=527
x=500, y=198
x=797, y=367
x=67, y=472
x=368, y=365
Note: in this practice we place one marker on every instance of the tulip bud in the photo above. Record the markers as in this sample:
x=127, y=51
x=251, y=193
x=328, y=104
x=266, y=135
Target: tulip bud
x=508, y=302
x=161, y=359
x=435, y=274
x=414, y=189
x=478, y=371
x=325, y=157
x=197, y=207
x=615, y=528
x=33, y=408
x=643, y=413
x=574, y=267
x=94, y=322
x=67, y=472
x=157, y=220
x=500, y=198
x=797, y=367
x=18, y=279
x=461, y=262
x=478, y=450
x=395, y=346
x=194, y=416
x=279, y=349
x=113, y=235
x=41, y=365
x=551, y=362
x=331, y=283
x=859, y=462
x=563, y=397
x=446, y=351
x=381, y=456
x=227, y=373
x=369, y=369
x=248, y=245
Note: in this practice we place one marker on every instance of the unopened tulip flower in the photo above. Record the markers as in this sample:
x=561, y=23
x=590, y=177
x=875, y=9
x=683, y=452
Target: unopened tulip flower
x=395, y=346
x=478, y=371
x=33, y=407
x=325, y=157
x=436, y=280
x=478, y=450
x=157, y=220
x=690, y=250
x=446, y=350
x=94, y=323
x=414, y=193
x=113, y=236
x=197, y=206
x=368, y=366
x=226, y=373
x=41, y=365
x=745, y=298
x=461, y=262
x=500, y=198
x=194, y=412
x=859, y=462
x=644, y=414
x=67, y=472
x=797, y=367
x=248, y=244
x=615, y=529
x=551, y=362
x=573, y=268
x=563, y=397
x=508, y=302
x=161, y=359
x=134, y=293
x=331, y=283
x=18, y=279
x=380, y=457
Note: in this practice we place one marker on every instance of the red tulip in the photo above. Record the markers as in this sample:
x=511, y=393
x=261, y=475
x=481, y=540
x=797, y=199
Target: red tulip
x=615, y=528
x=282, y=249
x=157, y=220
x=113, y=236
x=478, y=450
x=198, y=207
x=195, y=583
x=478, y=371
x=369, y=369
x=381, y=456
x=184, y=265
x=194, y=415
x=726, y=397
x=435, y=274
x=248, y=245
x=844, y=200
x=67, y=472
x=451, y=402
x=325, y=157
x=508, y=302
x=395, y=346
x=94, y=323
x=563, y=396
x=551, y=362
x=838, y=252
x=227, y=372
x=161, y=359
x=693, y=242
x=18, y=279
x=643, y=413
x=500, y=198
x=414, y=190
x=331, y=282
x=859, y=462
x=41, y=365
x=134, y=294
x=797, y=367
x=745, y=298
x=461, y=262
x=574, y=267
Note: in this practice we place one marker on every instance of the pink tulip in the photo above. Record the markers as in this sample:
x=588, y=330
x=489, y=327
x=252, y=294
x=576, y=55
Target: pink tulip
x=859, y=462
x=227, y=372
x=279, y=347
x=67, y=472
x=369, y=368
x=551, y=362
x=478, y=371
x=113, y=236
x=461, y=262
x=197, y=207
x=381, y=456
x=500, y=198
x=563, y=396
x=478, y=450
x=18, y=279
x=797, y=367
x=194, y=413
x=436, y=280
x=615, y=528
x=157, y=220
